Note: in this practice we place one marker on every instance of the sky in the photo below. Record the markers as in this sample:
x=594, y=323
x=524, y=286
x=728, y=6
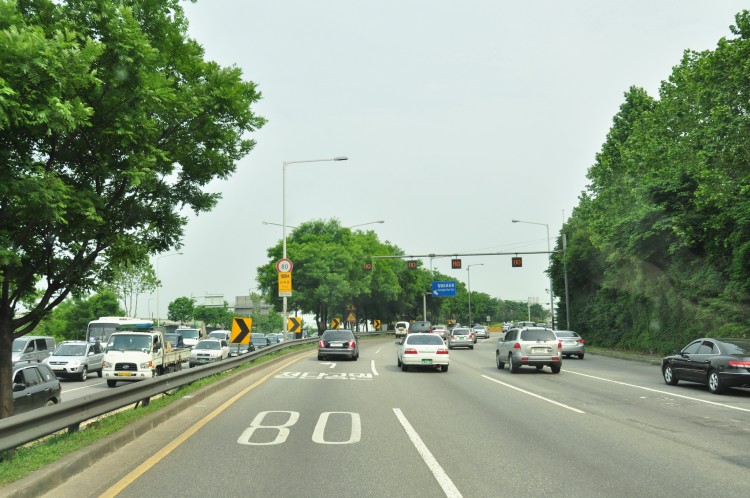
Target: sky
x=456, y=118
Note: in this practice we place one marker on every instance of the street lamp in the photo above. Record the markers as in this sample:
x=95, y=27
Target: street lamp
x=551, y=300
x=468, y=268
x=368, y=223
x=277, y=224
x=158, y=282
x=283, y=217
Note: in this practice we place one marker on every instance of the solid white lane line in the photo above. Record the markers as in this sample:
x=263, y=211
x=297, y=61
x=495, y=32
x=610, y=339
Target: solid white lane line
x=372, y=366
x=667, y=393
x=535, y=395
x=443, y=480
x=378, y=350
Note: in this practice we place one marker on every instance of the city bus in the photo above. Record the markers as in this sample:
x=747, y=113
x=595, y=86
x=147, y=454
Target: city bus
x=100, y=329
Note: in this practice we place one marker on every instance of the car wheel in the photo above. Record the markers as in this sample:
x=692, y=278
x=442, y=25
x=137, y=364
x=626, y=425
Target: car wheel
x=404, y=368
x=398, y=361
x=101, y=373
x=555, y=368
x=320, y=356
x=580, y=356
x=500, y=364
x=111, y=383
x=669, y=377
x=566, y=356
x=50, y=402
x=714, y=382
x=539, y=367
x=471, y=347
x=445, y=368
x=512, y=364
x=84, y=374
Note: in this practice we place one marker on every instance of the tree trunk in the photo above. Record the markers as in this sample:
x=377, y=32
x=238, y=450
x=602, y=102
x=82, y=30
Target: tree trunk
x=6, y=367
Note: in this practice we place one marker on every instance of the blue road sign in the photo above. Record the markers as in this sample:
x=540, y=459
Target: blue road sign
x=444, y=288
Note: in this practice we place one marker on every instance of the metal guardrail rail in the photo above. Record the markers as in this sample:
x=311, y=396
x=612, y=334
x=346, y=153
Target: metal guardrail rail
x=20, y=429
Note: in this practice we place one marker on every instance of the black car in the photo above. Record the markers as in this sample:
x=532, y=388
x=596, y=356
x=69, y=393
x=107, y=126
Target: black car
x=259, y=341
x=718, y=363
x=338, y=343
x=34, y=386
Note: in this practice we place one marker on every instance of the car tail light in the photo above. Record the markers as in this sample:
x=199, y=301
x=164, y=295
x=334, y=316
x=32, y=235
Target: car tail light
x=516, y=346
x=441, y=351
x=410, y=351
x=321, y=344
x=351, y=344
x=559, y=344
x=580, y=341
x=471, y=336
x=739, y=363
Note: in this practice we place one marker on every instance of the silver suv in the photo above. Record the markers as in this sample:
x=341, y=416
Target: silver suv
x=76, y=359
x=533, y=346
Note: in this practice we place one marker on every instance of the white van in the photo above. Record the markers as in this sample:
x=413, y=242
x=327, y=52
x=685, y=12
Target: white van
x=32, y=348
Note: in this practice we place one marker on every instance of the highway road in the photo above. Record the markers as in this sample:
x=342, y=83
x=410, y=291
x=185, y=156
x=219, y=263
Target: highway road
x=602, y=427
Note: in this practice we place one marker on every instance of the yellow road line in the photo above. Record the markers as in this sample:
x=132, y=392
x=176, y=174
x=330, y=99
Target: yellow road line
x=159, y=455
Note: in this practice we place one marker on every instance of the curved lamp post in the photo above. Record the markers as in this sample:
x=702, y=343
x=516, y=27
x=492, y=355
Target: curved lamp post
x=468, y=268
x=551, y=301
x=283, y=217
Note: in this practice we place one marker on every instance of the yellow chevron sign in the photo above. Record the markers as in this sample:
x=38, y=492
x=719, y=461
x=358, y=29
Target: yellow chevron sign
x=376, y=324
x=335, y=323
x=294, y=324
x=241, y=330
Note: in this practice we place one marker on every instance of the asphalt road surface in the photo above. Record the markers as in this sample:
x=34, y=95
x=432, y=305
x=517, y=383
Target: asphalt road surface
x=602, y=427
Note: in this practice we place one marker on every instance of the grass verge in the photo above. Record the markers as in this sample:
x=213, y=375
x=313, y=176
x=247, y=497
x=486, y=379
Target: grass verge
x=36, y=455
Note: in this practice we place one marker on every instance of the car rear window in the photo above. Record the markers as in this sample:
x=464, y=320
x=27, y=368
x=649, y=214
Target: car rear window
x=566, y=334
x=537, y=335
x=415, y=327
x=738, y=347
x=461, y=332
x=424, y=339
x=335, y=335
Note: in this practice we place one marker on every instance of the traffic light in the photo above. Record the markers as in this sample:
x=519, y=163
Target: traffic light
x=367, y=266
x=516, y=262
x=411, y=264
x=456, y=264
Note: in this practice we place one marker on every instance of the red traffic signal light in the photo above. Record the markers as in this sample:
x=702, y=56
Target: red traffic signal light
x=516, y=262
x=456, y=264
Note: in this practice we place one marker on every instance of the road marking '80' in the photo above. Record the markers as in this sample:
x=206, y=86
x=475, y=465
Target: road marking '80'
x=355, y=433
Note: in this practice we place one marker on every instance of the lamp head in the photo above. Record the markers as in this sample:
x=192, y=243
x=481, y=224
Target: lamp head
x=341, y=158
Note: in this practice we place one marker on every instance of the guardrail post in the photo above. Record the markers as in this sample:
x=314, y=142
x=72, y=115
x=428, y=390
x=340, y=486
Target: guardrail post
x=73, y=428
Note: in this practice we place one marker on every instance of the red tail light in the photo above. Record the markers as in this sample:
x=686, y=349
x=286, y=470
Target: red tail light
x=516, y=346
x=441, y=351
x=559, y=344
x=351, y=344
x=321, y=344
x=580, y=341
x=739, y=363
x=410, y=351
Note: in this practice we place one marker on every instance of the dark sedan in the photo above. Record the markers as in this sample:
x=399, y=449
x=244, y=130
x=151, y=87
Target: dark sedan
x=717, y=363
x=338, y=343
x=34, y=386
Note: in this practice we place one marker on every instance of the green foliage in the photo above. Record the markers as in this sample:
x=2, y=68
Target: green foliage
x=658, y=247
x=182, y=310
x=214, y=317
x=69, y=320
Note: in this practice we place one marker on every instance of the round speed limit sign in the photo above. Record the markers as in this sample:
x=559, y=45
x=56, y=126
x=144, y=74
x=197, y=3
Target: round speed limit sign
x=284, y=265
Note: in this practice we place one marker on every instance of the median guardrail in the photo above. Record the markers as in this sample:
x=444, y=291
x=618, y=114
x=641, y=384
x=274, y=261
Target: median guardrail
x=20, y=429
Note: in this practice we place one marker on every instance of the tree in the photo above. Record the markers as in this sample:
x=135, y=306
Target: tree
x=131, y=279
x=70, y=319
x=182, y=309
x=214, y=316
x=111, y=123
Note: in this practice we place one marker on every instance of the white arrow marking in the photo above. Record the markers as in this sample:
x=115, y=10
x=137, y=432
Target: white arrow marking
x=332, y=364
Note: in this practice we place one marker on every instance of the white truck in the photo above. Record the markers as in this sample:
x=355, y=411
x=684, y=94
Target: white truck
x=132, y=356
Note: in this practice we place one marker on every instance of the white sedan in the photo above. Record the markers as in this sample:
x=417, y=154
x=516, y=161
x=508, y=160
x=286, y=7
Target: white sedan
x=209, y=351
x=422, y=350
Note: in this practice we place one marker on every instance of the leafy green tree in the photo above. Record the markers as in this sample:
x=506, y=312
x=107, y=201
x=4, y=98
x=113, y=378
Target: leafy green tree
x=111, y=123
x=130, y=280
x=182, y=309
x=213, y=316
x=70, y=319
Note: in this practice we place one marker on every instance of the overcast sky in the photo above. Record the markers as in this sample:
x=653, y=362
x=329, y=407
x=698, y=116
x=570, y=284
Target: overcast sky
x=456, y=116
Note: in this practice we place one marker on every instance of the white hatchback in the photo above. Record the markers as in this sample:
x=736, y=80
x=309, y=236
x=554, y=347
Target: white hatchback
x=422, y=350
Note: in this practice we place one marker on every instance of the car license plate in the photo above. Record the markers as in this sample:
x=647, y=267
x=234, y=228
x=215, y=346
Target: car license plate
x=125, y=374
x=336, y=344
x=540, y=350
x=427, y=362
x=570, y=342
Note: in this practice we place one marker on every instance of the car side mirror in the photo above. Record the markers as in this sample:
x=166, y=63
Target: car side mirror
x=18, y=387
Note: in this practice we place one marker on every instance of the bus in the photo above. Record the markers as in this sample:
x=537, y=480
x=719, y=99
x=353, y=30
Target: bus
x=99, y=330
